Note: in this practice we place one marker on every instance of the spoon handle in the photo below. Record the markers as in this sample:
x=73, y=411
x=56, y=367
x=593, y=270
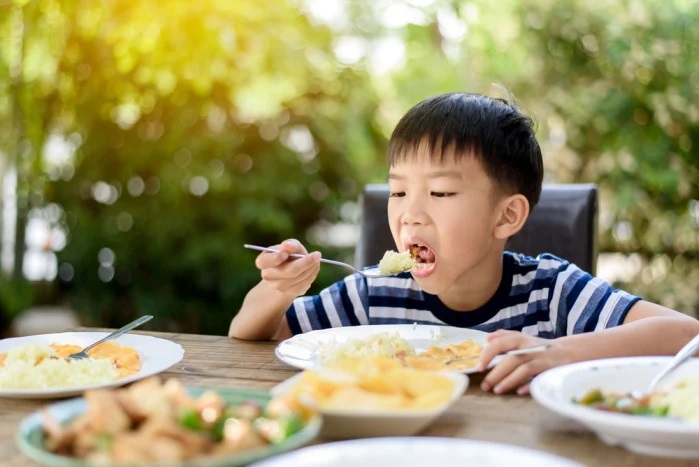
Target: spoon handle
x=684, y=354
x=120, y=331
x=296, y=255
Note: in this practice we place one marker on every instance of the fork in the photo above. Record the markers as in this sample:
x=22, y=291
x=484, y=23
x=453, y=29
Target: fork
x=367, y=272
x=83, y=353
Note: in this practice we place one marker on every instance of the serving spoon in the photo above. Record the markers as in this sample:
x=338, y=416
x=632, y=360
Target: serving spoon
x=367, y=272
x=83, y=353
x=680, y=357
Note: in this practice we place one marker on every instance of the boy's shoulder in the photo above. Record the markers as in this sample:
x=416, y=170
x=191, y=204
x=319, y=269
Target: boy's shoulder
x=543, y=265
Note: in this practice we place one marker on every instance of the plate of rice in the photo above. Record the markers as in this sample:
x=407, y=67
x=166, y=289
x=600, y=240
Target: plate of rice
x=30, y=367
x=418, y=346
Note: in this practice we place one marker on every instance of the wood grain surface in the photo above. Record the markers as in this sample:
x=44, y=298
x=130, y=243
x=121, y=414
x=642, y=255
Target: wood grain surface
x=218, y=361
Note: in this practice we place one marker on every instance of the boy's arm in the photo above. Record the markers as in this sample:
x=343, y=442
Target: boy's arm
x=648, y=329
x=262, y=314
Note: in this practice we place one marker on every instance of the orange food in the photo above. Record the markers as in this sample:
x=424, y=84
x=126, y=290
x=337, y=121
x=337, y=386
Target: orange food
x=125, y=359
x=435, y=358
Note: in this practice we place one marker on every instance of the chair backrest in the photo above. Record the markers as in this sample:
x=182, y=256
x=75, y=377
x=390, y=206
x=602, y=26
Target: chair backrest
x=563, y=223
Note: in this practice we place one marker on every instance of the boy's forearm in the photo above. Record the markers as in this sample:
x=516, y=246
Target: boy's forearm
x=261, y=314
x=658, y=335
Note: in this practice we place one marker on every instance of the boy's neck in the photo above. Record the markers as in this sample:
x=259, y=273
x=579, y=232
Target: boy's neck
x=474, y=290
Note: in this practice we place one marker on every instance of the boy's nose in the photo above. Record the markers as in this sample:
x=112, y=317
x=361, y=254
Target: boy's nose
x=413, y=212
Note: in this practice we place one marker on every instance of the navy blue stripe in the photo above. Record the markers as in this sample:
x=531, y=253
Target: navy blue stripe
x=293, y=321
x=591, y=318
x=320, y=313
x=351, y=317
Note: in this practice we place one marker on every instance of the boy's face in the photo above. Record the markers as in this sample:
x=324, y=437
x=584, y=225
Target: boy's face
x=450, y=211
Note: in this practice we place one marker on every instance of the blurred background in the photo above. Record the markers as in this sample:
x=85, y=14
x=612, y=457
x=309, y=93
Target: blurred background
x=142, y=143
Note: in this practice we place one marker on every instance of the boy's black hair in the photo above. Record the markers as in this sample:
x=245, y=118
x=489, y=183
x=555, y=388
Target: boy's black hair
x=493, y=131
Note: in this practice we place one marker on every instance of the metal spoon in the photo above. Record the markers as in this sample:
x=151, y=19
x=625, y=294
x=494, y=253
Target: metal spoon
x=369, y=272
x=682, y=356
x=83, y=353
x=522, y=351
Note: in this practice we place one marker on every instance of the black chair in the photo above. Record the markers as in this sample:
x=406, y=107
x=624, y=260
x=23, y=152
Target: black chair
x=564, y=223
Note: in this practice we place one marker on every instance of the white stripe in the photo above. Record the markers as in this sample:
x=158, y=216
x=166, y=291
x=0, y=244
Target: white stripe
x=353, y=294
x=509, y=312
x=606, y=312
x=532, y=330
x=330, y=310
x=395, y=282
x=546, y=264
x=403, y=313
x=582, y=301
x=300, y=310
x=519, y=279
x=560, y=281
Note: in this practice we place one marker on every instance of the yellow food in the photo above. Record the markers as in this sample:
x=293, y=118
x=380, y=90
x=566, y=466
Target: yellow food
x=373, y=385
x=393, y=262
x=681, y=398
x=384, y=344
x=32, y=366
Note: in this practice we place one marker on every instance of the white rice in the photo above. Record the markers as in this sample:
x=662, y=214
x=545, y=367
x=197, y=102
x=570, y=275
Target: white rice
x=393, y=262
x=384, y=344
x=21, y=371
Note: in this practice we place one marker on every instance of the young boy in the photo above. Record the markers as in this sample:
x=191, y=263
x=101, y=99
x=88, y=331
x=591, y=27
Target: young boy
x=464, y=172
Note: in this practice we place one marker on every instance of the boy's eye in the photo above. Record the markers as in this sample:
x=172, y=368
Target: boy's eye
x=397, y=194
x=441, y=194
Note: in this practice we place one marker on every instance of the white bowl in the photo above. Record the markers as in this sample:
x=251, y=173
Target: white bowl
x=556, y=389
x=353, y=422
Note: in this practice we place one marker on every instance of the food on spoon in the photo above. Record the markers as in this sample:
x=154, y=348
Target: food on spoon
x=393, y=262
x=151, y=422
x=34, y=366
x=676, y=400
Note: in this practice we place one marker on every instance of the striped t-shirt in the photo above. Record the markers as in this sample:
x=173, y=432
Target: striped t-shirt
x=545, y=296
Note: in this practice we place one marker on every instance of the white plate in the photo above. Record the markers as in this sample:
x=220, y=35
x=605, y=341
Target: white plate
x=416, y=452
x=156, y=355
x=557, y=387
x=300, y=350
x=353, y=422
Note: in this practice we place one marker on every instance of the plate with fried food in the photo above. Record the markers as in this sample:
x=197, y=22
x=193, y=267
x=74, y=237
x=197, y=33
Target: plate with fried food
x=37, y=367
x=152, y=422
x=374, y=397
x=418, y=346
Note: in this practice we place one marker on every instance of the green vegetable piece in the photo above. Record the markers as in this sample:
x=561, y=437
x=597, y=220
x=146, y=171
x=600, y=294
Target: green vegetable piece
x=190, y=419
x=591, y=397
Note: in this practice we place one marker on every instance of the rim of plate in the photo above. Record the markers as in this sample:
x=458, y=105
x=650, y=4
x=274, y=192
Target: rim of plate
x=306, y=340
x=543, y=389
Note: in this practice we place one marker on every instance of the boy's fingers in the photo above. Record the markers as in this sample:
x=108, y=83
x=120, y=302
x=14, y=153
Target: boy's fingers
x=497, y=346
x=293, y=246
x=267, y=260
x=520, y=375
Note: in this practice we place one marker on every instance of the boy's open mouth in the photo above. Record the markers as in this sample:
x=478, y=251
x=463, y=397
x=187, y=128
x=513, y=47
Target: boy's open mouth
x=423, y=256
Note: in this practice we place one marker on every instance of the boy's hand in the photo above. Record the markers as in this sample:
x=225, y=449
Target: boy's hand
x=516, y=371
x=291, y=276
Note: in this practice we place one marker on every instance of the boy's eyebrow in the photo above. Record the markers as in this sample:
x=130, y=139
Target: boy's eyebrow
x=432, y=174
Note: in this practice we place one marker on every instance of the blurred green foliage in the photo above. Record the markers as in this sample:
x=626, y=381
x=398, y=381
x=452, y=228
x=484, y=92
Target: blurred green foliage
x=198, y=127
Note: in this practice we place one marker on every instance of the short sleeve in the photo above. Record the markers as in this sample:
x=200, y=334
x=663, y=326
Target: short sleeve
x=344, y=303
x=583, y=303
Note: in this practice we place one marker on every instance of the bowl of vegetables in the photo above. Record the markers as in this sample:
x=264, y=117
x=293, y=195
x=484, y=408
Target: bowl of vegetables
x=598, y=394
x=151, y=422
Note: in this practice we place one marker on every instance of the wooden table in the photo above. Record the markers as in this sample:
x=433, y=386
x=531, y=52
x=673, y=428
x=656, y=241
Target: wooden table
x=218, y=361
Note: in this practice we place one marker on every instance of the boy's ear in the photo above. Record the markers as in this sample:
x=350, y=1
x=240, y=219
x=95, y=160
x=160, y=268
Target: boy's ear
x=514, y=211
